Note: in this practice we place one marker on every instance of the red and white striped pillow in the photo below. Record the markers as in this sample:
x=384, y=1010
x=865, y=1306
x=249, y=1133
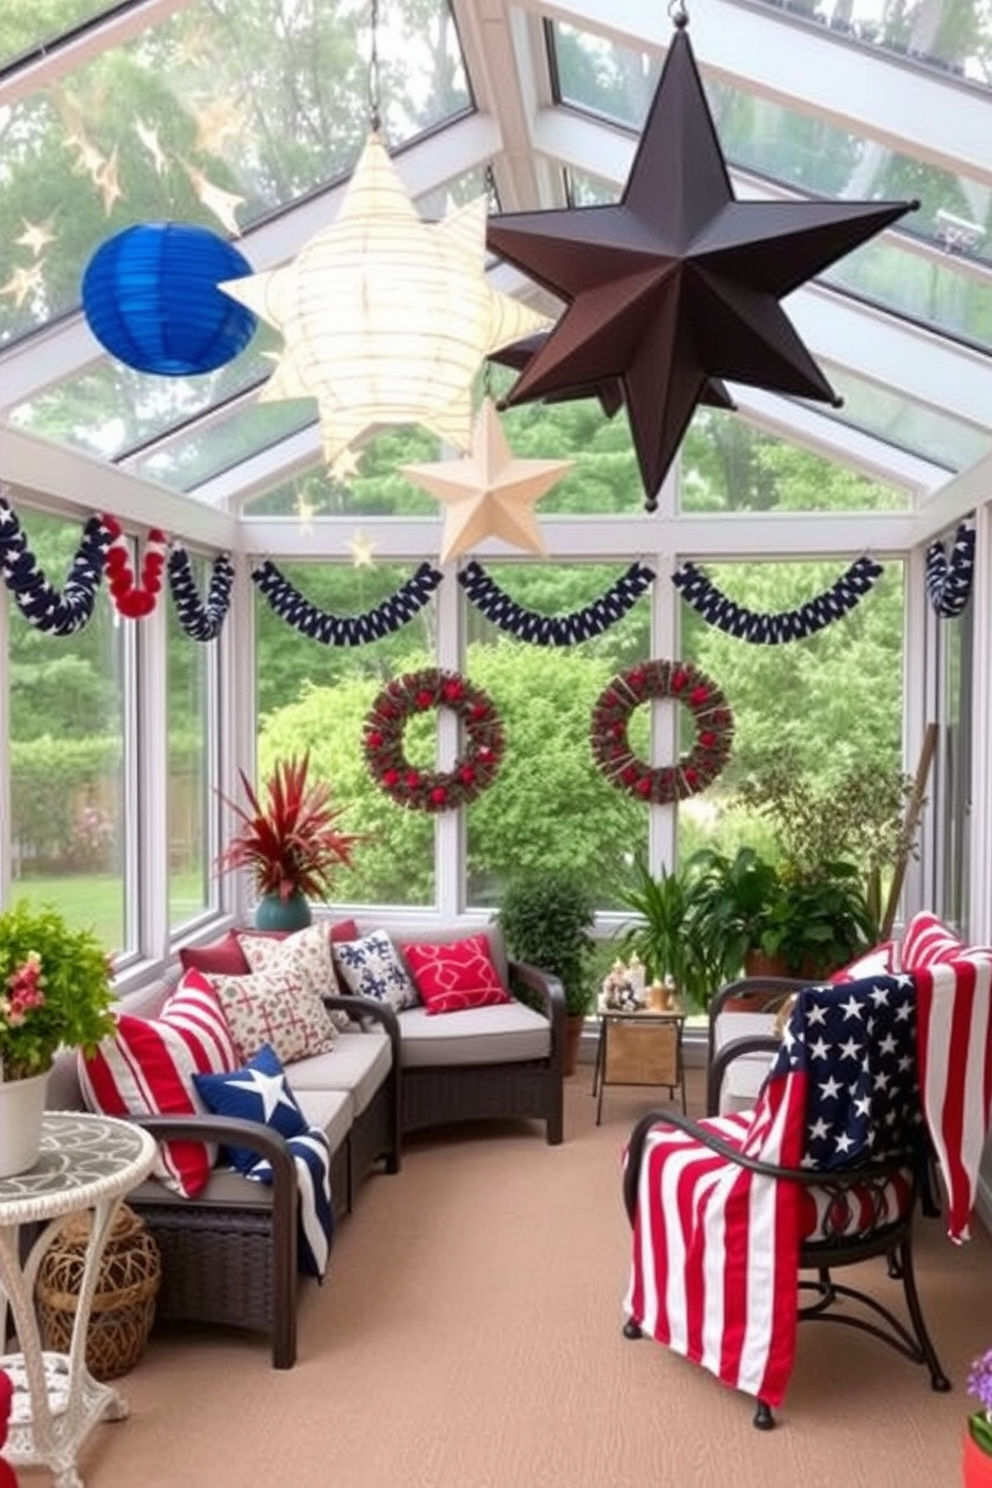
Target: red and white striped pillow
x=879, y=961
x=146, y=1068
x=927, y=941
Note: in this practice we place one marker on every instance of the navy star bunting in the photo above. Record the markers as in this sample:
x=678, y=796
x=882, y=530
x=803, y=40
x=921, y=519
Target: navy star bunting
x=788, y=625
x=554, y=630
x=201, y=622
x=949, y=580
x=346, y=630
x=43, y=606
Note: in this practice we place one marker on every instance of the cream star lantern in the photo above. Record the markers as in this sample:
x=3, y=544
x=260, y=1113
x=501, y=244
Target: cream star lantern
x=489, y=493
x=385, y=318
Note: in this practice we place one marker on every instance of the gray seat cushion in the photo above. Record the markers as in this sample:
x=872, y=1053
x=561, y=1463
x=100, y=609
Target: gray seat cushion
x=359, y=1063
x=504, y=1034
x=330, y=1110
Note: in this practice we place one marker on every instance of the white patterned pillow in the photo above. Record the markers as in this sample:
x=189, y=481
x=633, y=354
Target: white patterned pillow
x=305, y=956
x=372, y=967
x=271, y=1007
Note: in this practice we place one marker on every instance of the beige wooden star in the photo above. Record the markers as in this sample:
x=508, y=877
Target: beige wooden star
x=488, y=493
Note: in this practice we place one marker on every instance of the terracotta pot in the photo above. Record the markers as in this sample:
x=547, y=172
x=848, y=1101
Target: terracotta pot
x=976, y=1464
x=757, y=964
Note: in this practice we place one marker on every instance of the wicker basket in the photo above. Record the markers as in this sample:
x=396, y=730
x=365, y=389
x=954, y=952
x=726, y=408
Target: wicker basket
x=123, y=1307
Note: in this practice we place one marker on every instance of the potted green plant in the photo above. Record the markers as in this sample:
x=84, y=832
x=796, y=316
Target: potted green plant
x=56, y=992
x=547, y=917
x=664, y=932
x=817, y=904
x=289, y=841
x=733, y=903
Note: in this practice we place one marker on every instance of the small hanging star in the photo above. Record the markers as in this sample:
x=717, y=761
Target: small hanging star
x=361, y=549
x=36, y=236
x=222, y=203
x=489, y=493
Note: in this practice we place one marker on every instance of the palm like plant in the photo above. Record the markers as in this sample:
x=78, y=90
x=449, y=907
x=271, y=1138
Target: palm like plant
x=291, y=843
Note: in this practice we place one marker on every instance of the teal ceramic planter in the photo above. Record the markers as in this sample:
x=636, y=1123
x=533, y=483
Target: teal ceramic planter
x=273, y=913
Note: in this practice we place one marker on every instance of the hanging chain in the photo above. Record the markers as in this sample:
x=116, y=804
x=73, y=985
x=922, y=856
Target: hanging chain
x=375, y=118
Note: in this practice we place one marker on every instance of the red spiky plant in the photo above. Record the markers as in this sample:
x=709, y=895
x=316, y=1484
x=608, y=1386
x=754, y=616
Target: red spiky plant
x=291, y=842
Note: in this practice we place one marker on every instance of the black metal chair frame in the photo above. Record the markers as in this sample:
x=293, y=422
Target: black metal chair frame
x=827, y=1252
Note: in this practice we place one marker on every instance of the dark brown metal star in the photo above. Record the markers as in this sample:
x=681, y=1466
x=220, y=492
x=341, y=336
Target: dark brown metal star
x=609, y=391
x=679, y=282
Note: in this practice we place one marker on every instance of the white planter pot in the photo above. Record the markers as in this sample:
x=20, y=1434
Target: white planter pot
x=22, y=1106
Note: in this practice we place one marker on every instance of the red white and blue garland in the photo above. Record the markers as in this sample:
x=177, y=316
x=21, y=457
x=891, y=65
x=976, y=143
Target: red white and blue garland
x=347, y=630
x=789, y=625
x=201, y=622
x=554, y=630
x=684, y=683
x=949, y=580
x=134, y=598
x=432, y=790
x=43, y=606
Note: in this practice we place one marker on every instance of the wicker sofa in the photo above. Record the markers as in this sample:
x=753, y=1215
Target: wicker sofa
x=229, y=1256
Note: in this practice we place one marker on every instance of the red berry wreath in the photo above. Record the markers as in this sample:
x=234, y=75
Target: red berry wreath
x=432, y=790
x=661, y=679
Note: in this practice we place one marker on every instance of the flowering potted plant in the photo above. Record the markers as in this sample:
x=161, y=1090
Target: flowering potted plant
x=977, y=1458
x=54, y=992
x=289, y=841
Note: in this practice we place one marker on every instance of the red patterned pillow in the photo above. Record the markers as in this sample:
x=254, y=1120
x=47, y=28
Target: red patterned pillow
x=455, y=975
x=146, y=1068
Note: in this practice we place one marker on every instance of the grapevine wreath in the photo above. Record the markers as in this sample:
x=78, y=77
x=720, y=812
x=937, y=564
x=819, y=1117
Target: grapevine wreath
x=611, y=715
x=433, y=790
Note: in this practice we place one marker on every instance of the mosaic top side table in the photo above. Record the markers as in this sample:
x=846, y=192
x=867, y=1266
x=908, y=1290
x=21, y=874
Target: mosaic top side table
x=86, y=1163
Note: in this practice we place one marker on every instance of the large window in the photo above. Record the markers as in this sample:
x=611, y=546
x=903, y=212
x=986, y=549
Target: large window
x=67, y=730
x=315, y=697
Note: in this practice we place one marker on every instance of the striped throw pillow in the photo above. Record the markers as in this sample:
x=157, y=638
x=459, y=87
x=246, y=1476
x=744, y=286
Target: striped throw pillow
x=146, y=1068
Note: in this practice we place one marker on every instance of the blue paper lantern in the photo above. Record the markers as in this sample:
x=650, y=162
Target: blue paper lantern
x=150, y=297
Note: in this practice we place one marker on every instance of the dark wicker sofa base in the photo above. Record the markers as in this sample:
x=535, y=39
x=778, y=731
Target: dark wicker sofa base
x=441, y=1094
x=238, y=1267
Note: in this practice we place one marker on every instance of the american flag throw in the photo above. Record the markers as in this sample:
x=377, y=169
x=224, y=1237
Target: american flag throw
x=716, y=1247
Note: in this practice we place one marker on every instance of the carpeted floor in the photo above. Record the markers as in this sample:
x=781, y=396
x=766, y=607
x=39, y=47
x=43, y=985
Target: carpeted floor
x=469, y=1334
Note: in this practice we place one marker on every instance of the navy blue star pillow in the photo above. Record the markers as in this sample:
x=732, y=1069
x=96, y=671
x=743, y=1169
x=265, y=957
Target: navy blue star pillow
x=257, y=1092
x=260, y=1092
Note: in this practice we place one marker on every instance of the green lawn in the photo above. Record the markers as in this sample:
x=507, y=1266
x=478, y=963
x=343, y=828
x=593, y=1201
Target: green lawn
x=97, y=902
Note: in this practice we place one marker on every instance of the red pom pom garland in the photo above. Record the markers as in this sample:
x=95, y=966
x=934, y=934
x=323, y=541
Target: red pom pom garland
x=133, y=599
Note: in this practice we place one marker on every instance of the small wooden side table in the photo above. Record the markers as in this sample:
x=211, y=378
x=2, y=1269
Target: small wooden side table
x=639, y=1048
x=86, y=1163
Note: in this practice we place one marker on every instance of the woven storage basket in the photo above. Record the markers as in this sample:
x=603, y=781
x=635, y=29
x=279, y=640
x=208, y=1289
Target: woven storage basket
x=123, y=1307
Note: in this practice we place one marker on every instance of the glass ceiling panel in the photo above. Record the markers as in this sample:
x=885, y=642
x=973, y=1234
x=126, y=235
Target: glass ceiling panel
x=945, y=34
x=222, y=115
x=109, y=409
x=918, y=430
x=27, y=28
x=813, y=156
